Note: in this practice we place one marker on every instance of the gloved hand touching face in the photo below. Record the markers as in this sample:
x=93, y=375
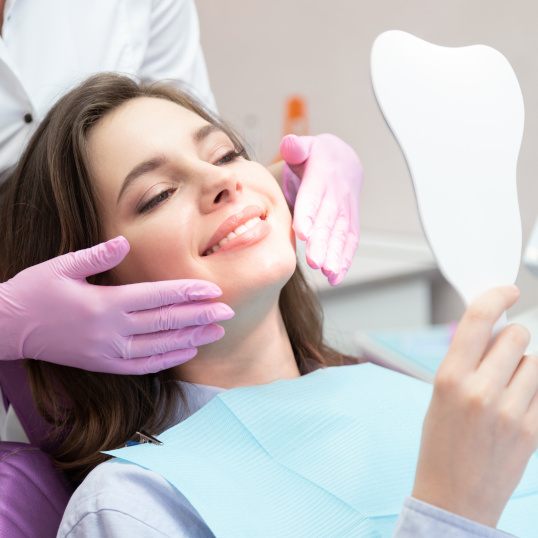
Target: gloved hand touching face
x=50, y=312
x=322, y=179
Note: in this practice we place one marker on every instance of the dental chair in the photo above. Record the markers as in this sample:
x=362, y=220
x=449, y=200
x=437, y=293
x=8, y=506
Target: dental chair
x=33, y=493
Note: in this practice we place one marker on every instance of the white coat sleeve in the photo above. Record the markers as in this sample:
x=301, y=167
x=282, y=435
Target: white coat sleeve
x=174, y=52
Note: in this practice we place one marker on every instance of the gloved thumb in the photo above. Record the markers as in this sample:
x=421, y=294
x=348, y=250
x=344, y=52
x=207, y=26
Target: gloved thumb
x=94, y=260
x=290, y=185
x=295, y=149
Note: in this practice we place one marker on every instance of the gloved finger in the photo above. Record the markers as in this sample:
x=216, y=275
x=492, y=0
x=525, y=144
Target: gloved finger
x=352, y=241
x=290, y=184
x=92, y=261
x=295, y=150
x=316, y=247
x=153, y=364
x=157, y=343
x=146, y=295
x=334, y=280
x=171, y=317
x=307, y=204
x=335, y=248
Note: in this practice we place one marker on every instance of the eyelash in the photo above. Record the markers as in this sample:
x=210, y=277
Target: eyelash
x=231, y=156
x=158, y=199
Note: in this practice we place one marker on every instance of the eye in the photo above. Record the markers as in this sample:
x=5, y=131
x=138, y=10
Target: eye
x=230, y=156
x=156, y=200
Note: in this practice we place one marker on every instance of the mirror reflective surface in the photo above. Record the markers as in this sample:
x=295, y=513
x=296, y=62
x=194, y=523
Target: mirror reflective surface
x=458, y=114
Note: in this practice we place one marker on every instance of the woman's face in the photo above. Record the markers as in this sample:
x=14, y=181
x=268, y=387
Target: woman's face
x=172, y=184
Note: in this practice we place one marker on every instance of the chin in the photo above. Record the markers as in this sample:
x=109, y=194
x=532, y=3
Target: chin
x=262, y=277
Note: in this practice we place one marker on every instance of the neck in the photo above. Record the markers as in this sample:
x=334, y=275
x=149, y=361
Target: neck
x=255, y=350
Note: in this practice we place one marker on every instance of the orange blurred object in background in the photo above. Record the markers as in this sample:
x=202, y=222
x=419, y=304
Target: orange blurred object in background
x=295, y=118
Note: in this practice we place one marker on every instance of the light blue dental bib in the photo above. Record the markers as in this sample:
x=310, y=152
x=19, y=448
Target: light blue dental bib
x=330, y=454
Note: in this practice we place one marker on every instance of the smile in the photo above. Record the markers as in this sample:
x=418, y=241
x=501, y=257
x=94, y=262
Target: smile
x=244, y=228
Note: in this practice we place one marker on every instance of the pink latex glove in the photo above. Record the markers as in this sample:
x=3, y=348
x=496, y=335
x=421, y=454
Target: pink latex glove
x=322, y=180
x=50, y=312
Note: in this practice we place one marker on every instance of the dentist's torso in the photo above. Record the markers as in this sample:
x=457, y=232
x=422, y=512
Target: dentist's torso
x=48, y=47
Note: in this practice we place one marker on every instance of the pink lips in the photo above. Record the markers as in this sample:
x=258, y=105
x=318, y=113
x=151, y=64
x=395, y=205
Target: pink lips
x=232, y=222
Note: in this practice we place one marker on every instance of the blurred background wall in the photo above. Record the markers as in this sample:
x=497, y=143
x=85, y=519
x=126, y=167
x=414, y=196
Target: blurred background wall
x=258, y=53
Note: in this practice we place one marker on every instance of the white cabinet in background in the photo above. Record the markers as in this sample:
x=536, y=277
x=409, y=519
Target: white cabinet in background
x=387, y=287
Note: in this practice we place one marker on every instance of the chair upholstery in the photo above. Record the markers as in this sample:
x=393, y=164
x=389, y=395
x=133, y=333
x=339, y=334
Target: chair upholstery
x=16, y=390
x=34, y=493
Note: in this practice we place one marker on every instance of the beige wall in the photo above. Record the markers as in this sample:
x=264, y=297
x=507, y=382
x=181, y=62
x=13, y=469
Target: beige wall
x=258, y=52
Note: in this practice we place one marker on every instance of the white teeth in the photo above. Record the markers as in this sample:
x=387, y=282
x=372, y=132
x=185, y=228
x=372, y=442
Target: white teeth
x=241, y=229
x=252, y=222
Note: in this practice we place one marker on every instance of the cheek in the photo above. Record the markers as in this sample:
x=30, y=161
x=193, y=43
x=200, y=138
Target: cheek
x=160, y=250
x=284, y=221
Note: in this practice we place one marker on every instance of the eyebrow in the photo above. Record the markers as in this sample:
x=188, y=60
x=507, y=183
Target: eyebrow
x=160, y=161
x=205, y=131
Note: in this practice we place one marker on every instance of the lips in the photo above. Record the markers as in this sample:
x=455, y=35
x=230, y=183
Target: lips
x=231, y=224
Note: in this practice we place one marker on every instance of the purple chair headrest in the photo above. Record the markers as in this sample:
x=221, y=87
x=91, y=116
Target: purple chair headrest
x=16, y=390
x=34, y=493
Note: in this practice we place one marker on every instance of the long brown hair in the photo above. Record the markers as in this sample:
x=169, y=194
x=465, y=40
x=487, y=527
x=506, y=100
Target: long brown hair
x=48, y=209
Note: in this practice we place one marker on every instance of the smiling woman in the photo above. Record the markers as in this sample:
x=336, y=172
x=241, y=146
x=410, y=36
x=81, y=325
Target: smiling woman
x=190, y=186
x=115, y=157
x=112, y=158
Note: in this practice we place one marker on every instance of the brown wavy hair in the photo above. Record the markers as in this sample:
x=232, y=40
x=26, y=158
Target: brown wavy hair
x=48, y=209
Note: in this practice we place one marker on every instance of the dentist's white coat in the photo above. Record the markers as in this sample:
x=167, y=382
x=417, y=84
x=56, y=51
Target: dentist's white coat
x=47, y=47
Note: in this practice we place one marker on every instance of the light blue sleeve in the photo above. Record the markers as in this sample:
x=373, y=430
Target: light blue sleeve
x=422, y=520
x=112, y=524
x=119, y=500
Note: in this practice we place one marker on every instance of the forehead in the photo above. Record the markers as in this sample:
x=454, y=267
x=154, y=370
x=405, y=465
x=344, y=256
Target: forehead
x=145, y=118
x=137, y=130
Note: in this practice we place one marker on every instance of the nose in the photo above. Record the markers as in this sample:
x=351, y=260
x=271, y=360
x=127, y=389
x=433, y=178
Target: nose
x=221, y=187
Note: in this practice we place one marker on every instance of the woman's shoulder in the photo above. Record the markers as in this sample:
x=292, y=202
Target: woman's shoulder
x=116, y=478
x=119, y=497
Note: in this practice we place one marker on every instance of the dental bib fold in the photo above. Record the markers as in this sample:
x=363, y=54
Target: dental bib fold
x=330, y=454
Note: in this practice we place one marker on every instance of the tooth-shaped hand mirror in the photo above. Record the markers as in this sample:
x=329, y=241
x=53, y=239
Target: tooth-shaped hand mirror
x=457, y=114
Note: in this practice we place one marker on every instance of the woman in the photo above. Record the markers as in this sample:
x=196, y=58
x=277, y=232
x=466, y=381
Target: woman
x=114, y=158
x=152, y=40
